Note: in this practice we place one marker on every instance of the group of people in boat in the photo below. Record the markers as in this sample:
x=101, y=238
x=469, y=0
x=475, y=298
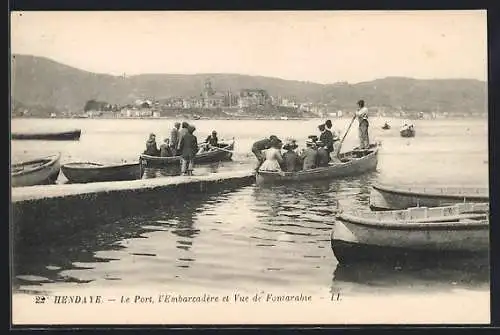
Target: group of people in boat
x=182, y=142
x=318, y=152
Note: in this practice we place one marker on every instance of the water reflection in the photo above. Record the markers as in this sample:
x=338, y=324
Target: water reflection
x=56, y=259
x=435, y=274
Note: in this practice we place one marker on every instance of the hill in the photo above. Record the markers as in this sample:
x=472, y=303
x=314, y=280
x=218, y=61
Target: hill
x=43, y=82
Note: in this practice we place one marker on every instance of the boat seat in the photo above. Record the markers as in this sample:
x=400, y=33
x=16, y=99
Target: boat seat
x=418, y=212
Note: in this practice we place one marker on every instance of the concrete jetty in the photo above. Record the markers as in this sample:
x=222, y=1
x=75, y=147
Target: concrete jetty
x=40, y=192
x=49, y=211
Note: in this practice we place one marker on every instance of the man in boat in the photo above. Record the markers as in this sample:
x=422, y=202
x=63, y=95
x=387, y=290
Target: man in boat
x=333, y=151
x=174, y=138
x=291, y=160
x=212, y=140
x=151, y=147
x=309, y=156
x=183, y=131
x=326, y=138
x=263, y=144
x=323, y=155
x=362, y=115
x=188, y=147
x=166, y=148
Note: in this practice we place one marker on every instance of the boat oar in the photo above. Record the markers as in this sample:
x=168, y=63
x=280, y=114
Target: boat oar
x=345, y=134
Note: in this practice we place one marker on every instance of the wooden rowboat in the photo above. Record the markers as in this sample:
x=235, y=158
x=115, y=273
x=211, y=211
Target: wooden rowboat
x=223, y=153
x=351, y=163
x=407, y=132
x=38, y=171
x=386, y=197
x=89, y=172
x=71, y=135
x=418, y=233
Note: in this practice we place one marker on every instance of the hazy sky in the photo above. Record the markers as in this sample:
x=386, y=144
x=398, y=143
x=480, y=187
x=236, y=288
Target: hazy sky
x=318, y=46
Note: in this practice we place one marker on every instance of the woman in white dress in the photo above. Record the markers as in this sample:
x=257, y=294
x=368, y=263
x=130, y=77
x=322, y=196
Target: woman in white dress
x=273, y=158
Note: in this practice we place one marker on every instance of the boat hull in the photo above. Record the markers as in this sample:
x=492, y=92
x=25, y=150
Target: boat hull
x=42, y=175
x=93, y=172
x=386, y=197
x=356, y=166
x=56, y=136
x=223, y=154
x=407, y=133
x=355, y=239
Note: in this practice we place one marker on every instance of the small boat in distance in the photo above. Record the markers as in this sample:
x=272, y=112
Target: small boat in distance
x=386, y=126
x=90, y=172
x=390, y=197
x=351, y=163
x=39, y=171
x=414, y=234
x=69, y=135
x=408, y=130
x=224, y=152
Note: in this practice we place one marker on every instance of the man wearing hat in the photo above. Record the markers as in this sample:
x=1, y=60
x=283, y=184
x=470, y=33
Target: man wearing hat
x=323, y=155
x=263, y=144
x=291, y=160
x=174, y=138
x=327, y=138
x=212, y=139
x=362, y=115
x=151, y=146
x=309, y=156
x=336, y=139
x=182, y=132
x=188, y=147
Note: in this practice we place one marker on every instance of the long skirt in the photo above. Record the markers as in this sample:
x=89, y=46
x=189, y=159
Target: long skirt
x=364, y=142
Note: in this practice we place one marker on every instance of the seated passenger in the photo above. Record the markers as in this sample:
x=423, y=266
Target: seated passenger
x=151, y=147
x=323, y=155
x=291, y=160
x=273, y=156
x=309, y=156
x=212, y=140
x=166, y=149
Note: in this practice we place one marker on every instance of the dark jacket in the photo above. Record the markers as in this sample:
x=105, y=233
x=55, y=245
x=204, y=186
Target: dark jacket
x=151, y=148
x=327, y=138
x=188, y=146
x=291, y=161
x=165, y=150
x=262, y=145
x=323, y=157
x=212, y=140
x=174, y=138
x=310, y=158
x=182, y=132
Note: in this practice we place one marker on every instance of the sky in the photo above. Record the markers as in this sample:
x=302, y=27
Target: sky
x=316, y=46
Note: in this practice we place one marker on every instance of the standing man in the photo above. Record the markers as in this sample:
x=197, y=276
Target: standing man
x=188, y=146
x=174, y=138
x=327, y=138
x=183, y=131
x=362, y=115
x=333, y=151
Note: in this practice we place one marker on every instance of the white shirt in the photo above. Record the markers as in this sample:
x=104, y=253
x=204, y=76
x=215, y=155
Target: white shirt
x=362, y=114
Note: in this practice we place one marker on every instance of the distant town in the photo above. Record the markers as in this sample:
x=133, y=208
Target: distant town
x=246, y=103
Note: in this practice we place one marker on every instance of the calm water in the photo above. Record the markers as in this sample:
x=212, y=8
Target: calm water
x=254, y=237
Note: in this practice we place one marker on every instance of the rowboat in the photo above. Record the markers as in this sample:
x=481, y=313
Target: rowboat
x=386, y=126
x=418, y=233
x=90, y=172
x=70, y=135
x=386, y=197
x=38, y=171
x=223, y=153
x=354, y=162
x=407, y=132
